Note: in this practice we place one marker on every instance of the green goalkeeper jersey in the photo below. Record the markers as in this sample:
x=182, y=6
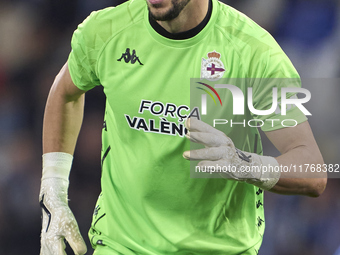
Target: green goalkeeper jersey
x=149, y=204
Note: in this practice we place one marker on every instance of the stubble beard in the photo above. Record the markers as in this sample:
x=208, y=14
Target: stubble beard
x=177, y=7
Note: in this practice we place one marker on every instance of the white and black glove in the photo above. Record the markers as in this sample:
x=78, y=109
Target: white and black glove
x=58, y=221
x=221, y=156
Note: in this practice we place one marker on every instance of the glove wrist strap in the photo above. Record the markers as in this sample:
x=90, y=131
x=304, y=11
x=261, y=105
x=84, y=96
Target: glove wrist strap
x=56, y=165
x=270, y=172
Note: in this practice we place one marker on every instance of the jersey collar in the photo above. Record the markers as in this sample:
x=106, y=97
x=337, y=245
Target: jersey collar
x=182, y=35
x=185, y=39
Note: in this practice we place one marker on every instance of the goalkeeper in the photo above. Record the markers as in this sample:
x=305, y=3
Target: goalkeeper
x=144, y=53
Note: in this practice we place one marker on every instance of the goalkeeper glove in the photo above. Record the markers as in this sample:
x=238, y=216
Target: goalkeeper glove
x=58, y=221
x=220, y=153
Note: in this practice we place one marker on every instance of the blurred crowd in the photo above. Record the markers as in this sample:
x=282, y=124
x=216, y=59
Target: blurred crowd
x=34, y=44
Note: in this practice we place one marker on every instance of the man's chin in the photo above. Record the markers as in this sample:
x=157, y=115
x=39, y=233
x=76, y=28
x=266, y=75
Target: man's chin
x=166, y=13
x=158, y=16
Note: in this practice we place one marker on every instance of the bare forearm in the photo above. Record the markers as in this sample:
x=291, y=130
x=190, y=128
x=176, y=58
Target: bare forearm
x=298, y=147
x=63, y=116
x=300, y=181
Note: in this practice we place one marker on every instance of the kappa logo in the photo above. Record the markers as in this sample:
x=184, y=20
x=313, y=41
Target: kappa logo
x=212, y=68
x=258, y=204
x=127, y=56
x=259, y=221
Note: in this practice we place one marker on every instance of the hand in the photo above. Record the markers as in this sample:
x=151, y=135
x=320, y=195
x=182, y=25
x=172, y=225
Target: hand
x=58, y=220
x=220, y=154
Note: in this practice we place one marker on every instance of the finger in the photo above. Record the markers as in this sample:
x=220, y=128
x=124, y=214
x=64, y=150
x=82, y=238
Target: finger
x=213, y=153
x=75, y=239
x=77, y=244
x=208, y=139
x=61, y=246
x=44, y=250
x=52, y=245
x=196, y=125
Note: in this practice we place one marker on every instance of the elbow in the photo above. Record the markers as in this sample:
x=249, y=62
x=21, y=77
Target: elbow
x=317, y=187
x=319, y=181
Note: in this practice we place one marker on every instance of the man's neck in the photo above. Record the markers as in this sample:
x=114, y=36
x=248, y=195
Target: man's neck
x=192, y=15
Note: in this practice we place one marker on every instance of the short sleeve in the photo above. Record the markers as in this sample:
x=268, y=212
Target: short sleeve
x=83, y=58
x=275, y=70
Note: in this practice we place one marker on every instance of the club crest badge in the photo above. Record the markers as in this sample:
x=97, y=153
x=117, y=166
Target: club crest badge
x=212, y=68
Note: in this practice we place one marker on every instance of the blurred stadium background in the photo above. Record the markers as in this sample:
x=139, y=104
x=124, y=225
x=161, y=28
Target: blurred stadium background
x=34, y=44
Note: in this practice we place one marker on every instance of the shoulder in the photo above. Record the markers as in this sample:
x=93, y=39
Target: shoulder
x=260, y=53
x=103, y=24
x=92, y=35
x=242, y=30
